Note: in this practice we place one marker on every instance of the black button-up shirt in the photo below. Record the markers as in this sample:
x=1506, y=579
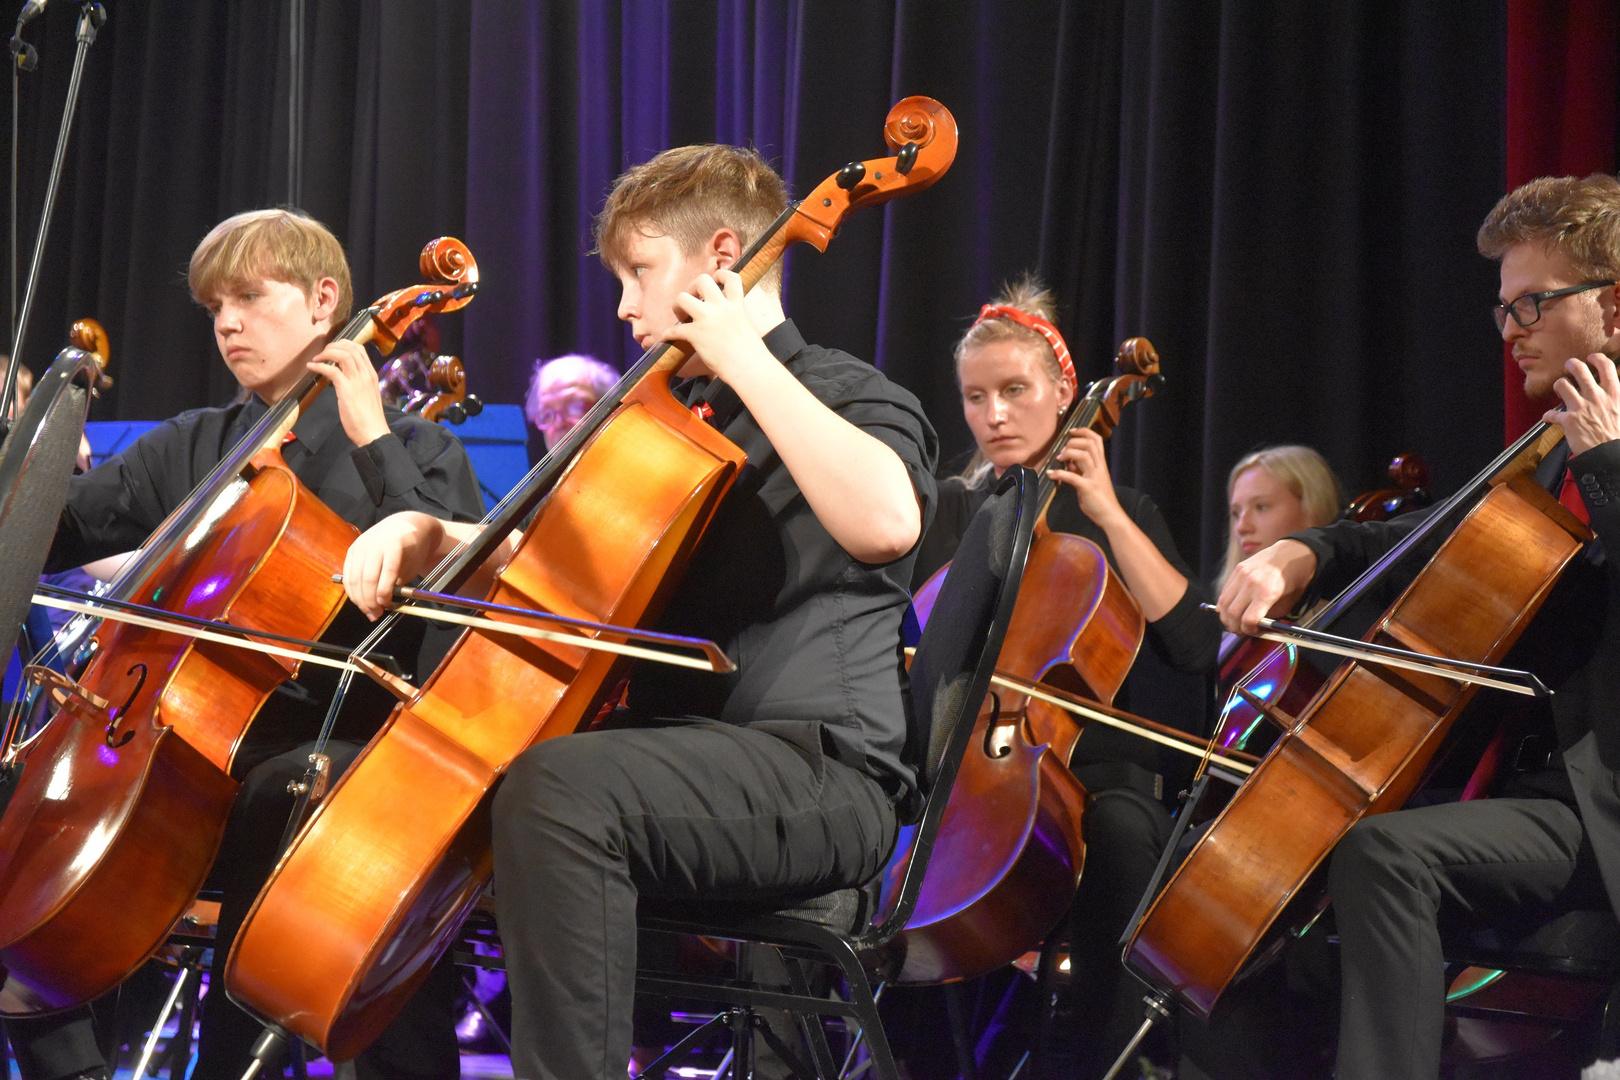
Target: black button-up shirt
x=815, y=633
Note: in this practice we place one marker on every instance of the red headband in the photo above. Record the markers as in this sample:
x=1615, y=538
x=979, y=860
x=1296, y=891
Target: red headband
x=1041, y=327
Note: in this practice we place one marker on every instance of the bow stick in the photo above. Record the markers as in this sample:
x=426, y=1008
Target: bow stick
x=1124, y=721
x=1369, y=652
x=714, y=659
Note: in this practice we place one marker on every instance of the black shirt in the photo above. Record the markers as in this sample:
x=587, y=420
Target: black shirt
x=1186, y=637
x=1574, y=641
x=814, y=632
x=117, y=505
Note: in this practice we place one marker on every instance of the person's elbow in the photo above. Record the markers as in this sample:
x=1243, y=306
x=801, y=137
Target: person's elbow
x=889, y=534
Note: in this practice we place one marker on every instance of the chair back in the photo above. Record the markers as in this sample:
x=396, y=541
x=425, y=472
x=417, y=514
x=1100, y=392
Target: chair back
x=36, y=463
x=950, y=672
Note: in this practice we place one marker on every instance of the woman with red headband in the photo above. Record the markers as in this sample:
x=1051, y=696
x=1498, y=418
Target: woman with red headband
x=1017, y=379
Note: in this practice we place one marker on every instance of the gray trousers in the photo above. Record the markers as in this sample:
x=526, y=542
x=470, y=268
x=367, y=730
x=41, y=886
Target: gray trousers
x=588, y=824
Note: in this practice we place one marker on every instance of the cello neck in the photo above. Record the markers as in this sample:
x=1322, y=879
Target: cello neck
x=1083, y=413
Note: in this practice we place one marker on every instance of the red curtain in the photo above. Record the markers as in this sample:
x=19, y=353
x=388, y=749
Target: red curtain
x=1561, y=84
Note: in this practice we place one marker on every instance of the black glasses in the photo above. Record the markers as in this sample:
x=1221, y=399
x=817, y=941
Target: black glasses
x=1526, y=309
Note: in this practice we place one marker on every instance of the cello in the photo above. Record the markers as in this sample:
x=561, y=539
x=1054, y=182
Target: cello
x=1364, y=743
x=331, y=955
x=123, y=795
x=1010, y=852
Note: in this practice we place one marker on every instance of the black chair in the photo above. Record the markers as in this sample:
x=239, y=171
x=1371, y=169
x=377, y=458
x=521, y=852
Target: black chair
x=1581, y=946
x=849, y=930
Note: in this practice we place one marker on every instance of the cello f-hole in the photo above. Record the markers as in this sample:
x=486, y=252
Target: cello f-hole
x=113, y=715
x=991, y=749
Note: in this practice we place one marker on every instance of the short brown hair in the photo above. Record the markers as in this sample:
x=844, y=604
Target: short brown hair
x=688, y=194
x=277, y=245
x=1576, y=216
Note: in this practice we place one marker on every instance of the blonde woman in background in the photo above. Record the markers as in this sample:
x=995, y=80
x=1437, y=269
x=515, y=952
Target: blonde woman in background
x=1274, y=492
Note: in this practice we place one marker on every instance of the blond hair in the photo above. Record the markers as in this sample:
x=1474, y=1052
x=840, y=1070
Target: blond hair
x=1302, y=471
x=1027, y=294
x=1578, y=217
x=689, y=194
x=275, y=245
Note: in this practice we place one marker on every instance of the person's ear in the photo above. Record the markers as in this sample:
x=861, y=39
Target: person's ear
x=724, y=249
x=324, y=299
x=1065, y=395
x=1609, y=304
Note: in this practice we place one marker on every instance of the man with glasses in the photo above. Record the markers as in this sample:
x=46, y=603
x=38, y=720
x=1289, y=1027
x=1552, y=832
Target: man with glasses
x=561, y=391
x=1550, y=839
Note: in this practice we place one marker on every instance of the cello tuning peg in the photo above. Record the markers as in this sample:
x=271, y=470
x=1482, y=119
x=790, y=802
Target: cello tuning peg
x=905, y=159
x=851, y=174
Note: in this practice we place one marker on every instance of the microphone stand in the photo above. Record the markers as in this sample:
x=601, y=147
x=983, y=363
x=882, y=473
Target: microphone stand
x=92, y=16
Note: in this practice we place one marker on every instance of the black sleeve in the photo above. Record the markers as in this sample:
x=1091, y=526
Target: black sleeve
x=1187, y=637
x=1597, y=472
x=419, y=466
x=1590, y=700
x=116, y=506
x=957, y=505
x=1345, y=548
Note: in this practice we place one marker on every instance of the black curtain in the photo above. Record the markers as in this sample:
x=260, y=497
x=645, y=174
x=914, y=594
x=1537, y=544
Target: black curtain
x=1282, y=197
x=183, y=121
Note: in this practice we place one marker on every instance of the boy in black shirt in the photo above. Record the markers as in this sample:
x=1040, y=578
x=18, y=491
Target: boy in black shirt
x=277, y=286
x=782, y=779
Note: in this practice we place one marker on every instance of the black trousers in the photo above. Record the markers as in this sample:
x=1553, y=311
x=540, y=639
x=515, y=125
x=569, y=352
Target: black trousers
x=586, y=825
x=53, y=1047
x=1125, y=833
x=1395, y=877
x=421, y=1043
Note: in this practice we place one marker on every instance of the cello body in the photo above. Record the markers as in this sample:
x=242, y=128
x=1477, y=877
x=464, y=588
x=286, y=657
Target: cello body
x=1273, y=673
x=1360, y=748
x=1009, y=854
x=120, y=808
x=383, y=874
